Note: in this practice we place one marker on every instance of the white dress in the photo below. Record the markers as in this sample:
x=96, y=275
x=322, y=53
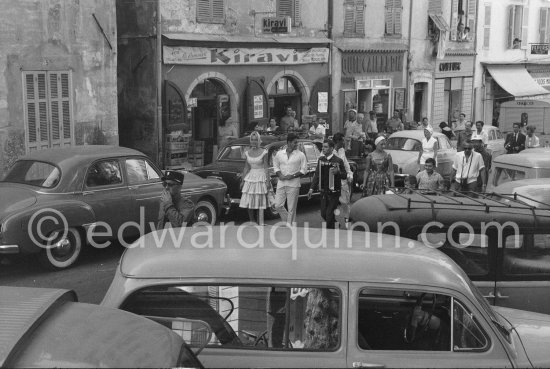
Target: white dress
x=427, y=149
x=254, y=189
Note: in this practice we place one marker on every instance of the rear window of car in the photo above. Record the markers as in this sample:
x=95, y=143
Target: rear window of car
x=34, y=173
x=403, y=143
x=233, y=152
x=504, y=175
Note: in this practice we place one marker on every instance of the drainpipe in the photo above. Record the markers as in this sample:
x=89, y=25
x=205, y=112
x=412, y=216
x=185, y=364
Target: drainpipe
x=160, y=131
x=475, y=91
x=329, y=34
x=409, y=62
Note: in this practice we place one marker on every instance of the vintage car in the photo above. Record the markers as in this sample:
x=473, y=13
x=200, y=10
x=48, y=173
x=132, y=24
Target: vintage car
x=404, y=147
x=295, y=297
x=86, y=188
x=48, y=328
x=230, y=162
x=528, y=164
x=534, y=192
x=503, y=245
x=495, y=144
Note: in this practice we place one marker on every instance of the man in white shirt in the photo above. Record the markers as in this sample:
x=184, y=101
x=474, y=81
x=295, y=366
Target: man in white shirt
x=532, y=141
x=353, y=129
x=289, y=166
x=467, y=167
x=370, y=127
x=480, y=134
x=460, y=125
x=317, y=132
x=424, y=124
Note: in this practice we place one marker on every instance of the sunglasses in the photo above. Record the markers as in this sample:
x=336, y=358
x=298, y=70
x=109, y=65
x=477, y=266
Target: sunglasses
x=169, y=184
x=467, y=149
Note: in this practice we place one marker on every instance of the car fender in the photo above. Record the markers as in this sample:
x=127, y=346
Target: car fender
x=28, y=227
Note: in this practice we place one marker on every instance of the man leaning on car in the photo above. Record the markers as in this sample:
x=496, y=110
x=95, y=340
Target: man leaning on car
x=174, y=209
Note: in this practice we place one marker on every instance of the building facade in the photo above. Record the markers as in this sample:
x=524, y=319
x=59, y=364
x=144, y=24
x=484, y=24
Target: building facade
x=58, y=75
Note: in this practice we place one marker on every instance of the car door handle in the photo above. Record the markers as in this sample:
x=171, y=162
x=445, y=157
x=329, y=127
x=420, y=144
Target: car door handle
x=499, y=296
x=490, y=296
x=359, y=364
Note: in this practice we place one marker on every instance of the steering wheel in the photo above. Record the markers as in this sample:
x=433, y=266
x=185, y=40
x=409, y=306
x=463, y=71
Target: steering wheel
x=418, y=319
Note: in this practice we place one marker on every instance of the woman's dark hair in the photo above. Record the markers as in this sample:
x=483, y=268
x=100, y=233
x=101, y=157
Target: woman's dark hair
x=337, y=137
x=442, y=124
x=430, y=161
x=329, y=142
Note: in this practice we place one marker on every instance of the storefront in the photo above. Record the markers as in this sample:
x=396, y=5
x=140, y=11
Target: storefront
x=371, y=79
x=209, y=81
x=453, y=87
x=541, y=74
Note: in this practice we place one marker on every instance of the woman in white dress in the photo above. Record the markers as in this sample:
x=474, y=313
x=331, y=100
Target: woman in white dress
x=255, y=182
x=429, y=147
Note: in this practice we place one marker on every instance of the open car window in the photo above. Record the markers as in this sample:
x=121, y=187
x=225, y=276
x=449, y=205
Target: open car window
x=34, y=173
x=260, y=317
x=104, y=173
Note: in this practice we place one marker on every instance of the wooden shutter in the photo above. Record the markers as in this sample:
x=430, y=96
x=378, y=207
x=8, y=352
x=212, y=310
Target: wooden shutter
x=284, y=8
x=487, y=27
x=36, y=110
x=218, y=11
x=511, y=13
x=255, y=87
x=471, y=20
x=434, y=7
x=397, y=16
x=389, y=17
x=542, y=25
x=524, y=27
x=360, y=17
x=297, y=16
x=60, y=107
x=210, y=11
x=349, y=17
x=454, y=20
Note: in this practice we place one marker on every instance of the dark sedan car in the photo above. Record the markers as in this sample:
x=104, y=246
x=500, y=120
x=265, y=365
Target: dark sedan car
x=230, y=162
x=52, y=201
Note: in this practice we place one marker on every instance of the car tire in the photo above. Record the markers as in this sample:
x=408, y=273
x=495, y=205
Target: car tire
x=59, y=258
x=206, y=212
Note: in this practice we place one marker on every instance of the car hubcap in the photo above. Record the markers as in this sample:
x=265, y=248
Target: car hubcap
x=203, y=216
x=62, y=249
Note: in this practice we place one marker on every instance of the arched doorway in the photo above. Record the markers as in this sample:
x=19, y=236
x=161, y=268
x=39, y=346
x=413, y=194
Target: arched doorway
x=285, y=92
x=212, y=108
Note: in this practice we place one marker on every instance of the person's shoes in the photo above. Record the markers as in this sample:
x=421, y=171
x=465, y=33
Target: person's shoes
x=346, y=224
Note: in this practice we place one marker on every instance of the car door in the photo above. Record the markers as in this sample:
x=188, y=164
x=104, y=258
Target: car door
x=106, y=191
x=523, y=279
x=445, y=156
x=312, y=156
x=145, y=186
x=380, y=333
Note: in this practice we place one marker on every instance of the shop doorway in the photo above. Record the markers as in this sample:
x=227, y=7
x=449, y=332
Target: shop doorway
x=419, y=101
x=452, y=99
x=376, y=97
x=285, y=92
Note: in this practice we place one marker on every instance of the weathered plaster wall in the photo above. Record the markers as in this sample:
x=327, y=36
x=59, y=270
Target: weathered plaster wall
x=49, y=35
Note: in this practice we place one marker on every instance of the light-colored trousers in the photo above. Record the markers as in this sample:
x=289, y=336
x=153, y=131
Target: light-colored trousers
x=290, y=196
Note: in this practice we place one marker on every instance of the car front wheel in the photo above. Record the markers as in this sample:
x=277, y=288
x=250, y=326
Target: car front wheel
x=63, y=251
x=205, y=212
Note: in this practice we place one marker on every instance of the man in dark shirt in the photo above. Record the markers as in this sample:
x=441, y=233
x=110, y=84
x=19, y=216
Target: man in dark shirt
x=515, y=141
x=174, y=209
x=328, y=179
x=464, y=136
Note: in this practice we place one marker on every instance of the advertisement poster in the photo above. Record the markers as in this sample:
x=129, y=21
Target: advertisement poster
x=322, y=102
x=258, y=106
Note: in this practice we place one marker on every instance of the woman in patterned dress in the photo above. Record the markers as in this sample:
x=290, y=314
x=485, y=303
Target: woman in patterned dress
x=255, y=182
x=378, y=171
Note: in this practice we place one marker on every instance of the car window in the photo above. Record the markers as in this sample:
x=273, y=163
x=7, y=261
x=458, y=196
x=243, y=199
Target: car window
x=492, y=135
x=34, y=173
x=311, y=152
x=255, y=317
x=104, y=173
x=402, y=143
x=504, y=175
x=140, y=171
x=499, y=134
x=527, y=254
x=469, y=251
x=405, y=320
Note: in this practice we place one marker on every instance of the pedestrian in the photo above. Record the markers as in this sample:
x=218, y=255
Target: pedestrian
x=479, y=133
x=227, y=132
x=347, y=183
x=256, y=180
x=261, y=126
x=295, y=123
x=353, y=130
x=273, y=127
x=429, y=179
x=378, y=171
x=467, y=166
x=429, y=147
x=424, y=124
x=371, y=125
x=174, y=208
x=289, y=165
x=532, y=140
x=328, y=179
x=515, y=141
x=317, y=131
x=460, y=125
x=464, y=136
x=287, y=121
x=395, y=124
x=479, y=147
x=446, y=130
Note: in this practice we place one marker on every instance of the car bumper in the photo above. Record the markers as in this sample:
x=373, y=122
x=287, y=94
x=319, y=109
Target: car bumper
x=9, y=249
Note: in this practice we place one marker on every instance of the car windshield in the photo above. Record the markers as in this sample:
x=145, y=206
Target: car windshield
x=235, y=152
x=504, y=175
x=34, y=173
x=403, y=144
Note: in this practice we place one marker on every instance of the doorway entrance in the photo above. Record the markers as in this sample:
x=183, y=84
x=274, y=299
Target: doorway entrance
x=419, y=101
x=285, y=92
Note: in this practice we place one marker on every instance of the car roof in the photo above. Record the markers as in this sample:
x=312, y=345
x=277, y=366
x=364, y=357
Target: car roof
x=536, y=189
x=88, y=152
x=529, y=159
x=51, y=329
x=348, y=256
x=414, y=133
x=266, y=140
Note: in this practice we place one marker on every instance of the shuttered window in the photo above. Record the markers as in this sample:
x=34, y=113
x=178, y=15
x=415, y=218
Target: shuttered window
x=434, y=7
x=48, y=107
x=544, y=25
x=393, y=15
x=463, y=14
x=210, y=11
x=487, y=27
x=354, y=18
x=517, y=26
x=292, y=9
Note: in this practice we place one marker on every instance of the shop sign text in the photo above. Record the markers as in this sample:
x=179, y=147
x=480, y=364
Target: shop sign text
x=236, y=56
x=371, y=63
x=450, y=67
x=276, y=24
x=543, y=81
x=539, y=49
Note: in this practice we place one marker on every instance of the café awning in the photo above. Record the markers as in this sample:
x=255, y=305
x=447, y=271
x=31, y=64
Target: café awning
x=516, y=80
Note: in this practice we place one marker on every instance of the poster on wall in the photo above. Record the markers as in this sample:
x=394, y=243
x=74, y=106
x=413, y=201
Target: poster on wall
x=322, y=102
x=399, y=102
x=258, y=106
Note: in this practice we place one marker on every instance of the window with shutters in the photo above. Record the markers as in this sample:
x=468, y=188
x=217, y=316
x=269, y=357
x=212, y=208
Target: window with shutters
x=487, y=27
x=292, y=9
x=544, y=25
x=394, y=11
x=210, y=11
x=463, y=18
x=48, y=109
x=354, y=18
x=517, y=27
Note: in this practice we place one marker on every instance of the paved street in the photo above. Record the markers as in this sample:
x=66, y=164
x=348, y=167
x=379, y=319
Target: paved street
x=95, y=270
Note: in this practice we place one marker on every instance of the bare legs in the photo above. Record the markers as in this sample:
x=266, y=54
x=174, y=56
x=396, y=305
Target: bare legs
x=252, y=215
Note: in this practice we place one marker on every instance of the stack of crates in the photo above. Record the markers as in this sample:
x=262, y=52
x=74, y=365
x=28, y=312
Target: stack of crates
x=196, y=153
x=177, y=149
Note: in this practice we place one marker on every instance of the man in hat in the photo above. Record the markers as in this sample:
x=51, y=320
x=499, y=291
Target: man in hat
x=174, y=209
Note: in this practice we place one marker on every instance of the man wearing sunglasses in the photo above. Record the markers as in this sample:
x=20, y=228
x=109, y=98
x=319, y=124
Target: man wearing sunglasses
x=468, y=165
x=174, y=209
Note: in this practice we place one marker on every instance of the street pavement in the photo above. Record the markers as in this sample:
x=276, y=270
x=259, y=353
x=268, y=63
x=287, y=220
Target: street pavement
x=94, y=272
